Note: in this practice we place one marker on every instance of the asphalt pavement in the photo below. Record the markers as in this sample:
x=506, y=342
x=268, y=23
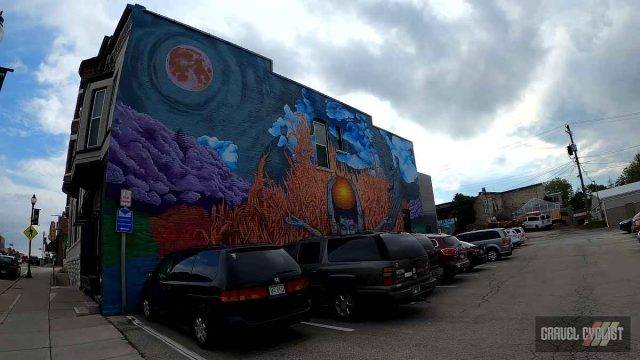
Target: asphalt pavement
x=487, y=314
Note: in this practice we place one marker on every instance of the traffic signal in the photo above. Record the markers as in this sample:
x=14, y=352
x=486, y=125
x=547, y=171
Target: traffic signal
x=36, y=217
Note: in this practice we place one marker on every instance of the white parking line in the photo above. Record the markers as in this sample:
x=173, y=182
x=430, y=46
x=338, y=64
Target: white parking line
x=6, y=313
x=327, y=326
x=176, y=346
x=488, y=266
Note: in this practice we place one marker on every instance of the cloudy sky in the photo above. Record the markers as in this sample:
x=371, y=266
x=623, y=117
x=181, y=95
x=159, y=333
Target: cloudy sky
x=483, y=88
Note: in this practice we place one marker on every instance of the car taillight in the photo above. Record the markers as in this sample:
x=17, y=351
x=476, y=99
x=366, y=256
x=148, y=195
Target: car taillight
x=449, y=251
x=387, y=276
x=506, y=241
x=243, y=294
x=297, y=284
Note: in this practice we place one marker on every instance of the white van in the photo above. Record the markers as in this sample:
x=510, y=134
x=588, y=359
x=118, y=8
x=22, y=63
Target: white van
x=542, y=221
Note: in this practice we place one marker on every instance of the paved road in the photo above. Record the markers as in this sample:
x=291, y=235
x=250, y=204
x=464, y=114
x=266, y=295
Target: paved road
x=488, y=314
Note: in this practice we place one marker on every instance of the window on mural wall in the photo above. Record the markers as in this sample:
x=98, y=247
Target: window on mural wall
x=339, y=136
x=322, y=151
x=96, y=117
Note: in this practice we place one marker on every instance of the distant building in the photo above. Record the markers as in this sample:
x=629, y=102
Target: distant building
x=446, y=219
x=492, y=206
x=428, y=203
x=616, y=204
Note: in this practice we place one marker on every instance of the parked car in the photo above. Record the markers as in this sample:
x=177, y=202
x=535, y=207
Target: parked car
x=520, y=231
x=515, y=238
x=349, y=272
x=452, y=257
x=218, y=289
x=635, y=226
x=626, y=225
x=433, y=250
x=475, y=253
x=9, y=267
x=495, y=242
x=537, y=222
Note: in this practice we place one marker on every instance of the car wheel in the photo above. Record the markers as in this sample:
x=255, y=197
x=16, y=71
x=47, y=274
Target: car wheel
x=492, y=255
x=344, y=305
x=202, y=329
x=147, y=311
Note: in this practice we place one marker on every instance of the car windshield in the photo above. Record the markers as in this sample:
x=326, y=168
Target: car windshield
x=6, y=260
x=402, y=246
x=252, y=267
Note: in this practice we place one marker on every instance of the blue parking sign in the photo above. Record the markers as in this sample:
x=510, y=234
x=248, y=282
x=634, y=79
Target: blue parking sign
x=124, y=221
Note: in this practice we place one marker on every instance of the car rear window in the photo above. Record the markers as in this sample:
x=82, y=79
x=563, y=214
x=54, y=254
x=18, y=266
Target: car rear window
x=206, y=265
x=448, y=240
x=363, y=248
x=252, y=267
x=5, y=260
x=427, y=244
x=402, y=246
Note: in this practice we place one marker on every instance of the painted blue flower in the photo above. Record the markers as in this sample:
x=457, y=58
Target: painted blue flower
x=402, y=151
x=227, y=150
x=356, y=135
x=283, y=128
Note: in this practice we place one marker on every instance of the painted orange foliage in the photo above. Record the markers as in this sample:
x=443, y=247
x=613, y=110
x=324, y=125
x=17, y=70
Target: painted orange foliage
x=262, y=217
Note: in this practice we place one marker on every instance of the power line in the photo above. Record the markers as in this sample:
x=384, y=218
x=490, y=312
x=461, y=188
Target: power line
x=520, y=179
x=613, y=152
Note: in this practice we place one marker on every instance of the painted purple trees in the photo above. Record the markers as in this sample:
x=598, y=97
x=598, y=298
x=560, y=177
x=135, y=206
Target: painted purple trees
x=165, y=168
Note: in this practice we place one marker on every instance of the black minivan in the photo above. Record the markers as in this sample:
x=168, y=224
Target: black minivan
x=347, y=272
x=217, y=289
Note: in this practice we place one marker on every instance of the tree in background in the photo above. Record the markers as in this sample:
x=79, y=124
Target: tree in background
x=631, y=173
x=596, y=187
x=463, y=210
x=577, y=201
x=562, y=186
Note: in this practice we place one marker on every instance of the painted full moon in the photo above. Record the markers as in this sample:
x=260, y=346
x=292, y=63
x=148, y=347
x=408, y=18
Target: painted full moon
x=342, y=194
x=189, y=68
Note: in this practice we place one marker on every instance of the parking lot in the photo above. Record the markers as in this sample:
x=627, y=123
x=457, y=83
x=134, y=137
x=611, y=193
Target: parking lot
x=486, y=314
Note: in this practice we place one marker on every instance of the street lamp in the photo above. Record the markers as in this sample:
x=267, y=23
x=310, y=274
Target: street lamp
x=33, y=204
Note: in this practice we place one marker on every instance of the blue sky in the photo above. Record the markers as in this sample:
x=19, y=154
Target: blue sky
x=481, y=88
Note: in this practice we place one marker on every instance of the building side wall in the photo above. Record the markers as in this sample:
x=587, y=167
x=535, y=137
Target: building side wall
x=513, y=200
x=217, y=149
x=428, y=203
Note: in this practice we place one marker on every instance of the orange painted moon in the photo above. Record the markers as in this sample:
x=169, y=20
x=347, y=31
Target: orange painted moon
x=189, y=68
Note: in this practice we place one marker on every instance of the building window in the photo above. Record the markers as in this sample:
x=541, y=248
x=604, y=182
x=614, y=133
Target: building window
x=95, y=117
x=339, y=136
x=322, y=153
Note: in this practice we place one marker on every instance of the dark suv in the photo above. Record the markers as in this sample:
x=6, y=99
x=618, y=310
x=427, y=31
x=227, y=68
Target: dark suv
x=347, y=272
x=217, y=289
x=432, y=248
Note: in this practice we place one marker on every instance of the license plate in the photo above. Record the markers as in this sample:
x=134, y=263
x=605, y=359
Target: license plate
x=416, y=289
x=277, y=289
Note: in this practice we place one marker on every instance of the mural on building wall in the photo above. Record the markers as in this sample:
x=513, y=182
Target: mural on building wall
x=206, y=168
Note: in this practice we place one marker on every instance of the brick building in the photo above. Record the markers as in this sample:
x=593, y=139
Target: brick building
x=502, y=205
x=216, y=148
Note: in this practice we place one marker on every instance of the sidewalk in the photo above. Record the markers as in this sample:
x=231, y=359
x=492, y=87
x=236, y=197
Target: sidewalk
x=38, y=321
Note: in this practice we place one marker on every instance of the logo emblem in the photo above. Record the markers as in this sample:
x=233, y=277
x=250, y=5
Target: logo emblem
x=276, y=280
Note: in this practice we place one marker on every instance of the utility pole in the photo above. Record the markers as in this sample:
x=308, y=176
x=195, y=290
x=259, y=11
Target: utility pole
x=572, y=149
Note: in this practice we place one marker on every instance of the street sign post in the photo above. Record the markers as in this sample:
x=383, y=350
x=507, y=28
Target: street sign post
x=124, y=221
x=30, y=232
x=125, y=198
x=124, y=225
